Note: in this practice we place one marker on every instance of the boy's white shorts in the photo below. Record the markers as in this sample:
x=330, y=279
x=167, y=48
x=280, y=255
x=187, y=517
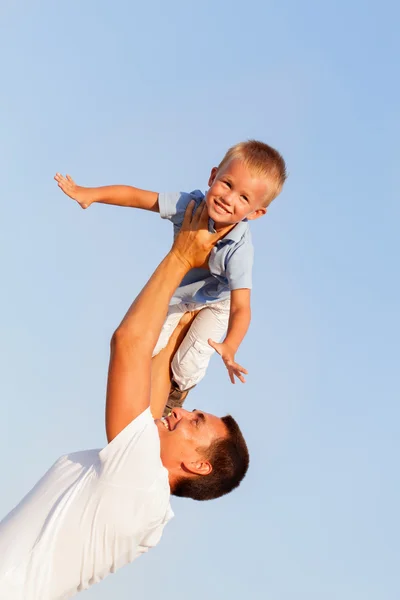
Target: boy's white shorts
x=191, y=360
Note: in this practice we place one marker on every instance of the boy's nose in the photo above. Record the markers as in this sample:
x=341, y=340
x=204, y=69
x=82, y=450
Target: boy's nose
x=227, y=198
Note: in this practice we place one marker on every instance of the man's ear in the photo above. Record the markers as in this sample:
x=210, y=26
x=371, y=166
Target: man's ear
x=213, y=173
x=260, y=212
x=198, y=467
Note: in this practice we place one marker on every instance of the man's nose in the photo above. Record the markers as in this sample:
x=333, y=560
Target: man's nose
x=179, y=413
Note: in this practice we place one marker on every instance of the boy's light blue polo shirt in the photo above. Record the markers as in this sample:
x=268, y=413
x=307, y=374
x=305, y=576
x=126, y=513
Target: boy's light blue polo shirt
x=230, y=262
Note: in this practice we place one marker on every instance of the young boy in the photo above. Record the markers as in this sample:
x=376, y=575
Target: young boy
x=249, y=177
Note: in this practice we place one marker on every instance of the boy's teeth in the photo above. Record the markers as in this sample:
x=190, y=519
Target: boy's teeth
x=221, y=207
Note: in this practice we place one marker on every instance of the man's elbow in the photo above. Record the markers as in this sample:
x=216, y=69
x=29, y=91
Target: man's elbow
x=122, y=338
x=128, y=341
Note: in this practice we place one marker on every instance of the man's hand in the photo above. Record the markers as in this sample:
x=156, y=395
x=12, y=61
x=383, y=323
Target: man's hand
x=194, y=243
x=82, y=195
x=228, y=356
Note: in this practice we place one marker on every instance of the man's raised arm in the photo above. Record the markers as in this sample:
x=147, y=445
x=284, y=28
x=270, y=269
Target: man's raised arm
x=129, y=375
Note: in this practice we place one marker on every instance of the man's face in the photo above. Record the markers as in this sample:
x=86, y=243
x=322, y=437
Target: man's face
x=235, y=194
x=181, y=436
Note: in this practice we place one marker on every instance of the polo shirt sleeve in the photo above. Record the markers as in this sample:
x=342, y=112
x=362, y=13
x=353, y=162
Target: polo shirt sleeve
x=173, y=205
x=239, y=266
x=132, y=458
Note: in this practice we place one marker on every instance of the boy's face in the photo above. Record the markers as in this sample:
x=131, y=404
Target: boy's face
x=235, y=194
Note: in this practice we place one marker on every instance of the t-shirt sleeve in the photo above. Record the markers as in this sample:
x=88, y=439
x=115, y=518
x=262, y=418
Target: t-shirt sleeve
x=173, y=205
x=239, y=267
x=132, y=458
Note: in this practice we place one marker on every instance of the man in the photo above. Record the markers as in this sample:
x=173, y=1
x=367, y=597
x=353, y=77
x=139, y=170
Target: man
x=95, y=511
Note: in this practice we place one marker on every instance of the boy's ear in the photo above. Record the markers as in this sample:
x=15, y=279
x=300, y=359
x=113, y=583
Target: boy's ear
x=213, y=173
x=257, y=214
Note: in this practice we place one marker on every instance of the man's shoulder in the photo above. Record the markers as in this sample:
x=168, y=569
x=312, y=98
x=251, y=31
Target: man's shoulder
x=140, y=433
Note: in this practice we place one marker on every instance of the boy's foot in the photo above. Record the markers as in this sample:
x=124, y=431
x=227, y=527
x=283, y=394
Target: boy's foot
x=176, y=398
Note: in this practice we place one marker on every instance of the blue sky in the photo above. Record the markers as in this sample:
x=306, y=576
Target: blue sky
x=152, y=95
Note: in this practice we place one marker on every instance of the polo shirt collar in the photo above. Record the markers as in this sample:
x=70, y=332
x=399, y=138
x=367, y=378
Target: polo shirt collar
x=235, y=234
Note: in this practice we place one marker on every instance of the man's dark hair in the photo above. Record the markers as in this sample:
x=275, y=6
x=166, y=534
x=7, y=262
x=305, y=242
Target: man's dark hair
x=229, y=458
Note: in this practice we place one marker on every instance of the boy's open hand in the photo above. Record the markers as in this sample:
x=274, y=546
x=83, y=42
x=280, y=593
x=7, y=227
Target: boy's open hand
x=76, y=192
x=228, y=356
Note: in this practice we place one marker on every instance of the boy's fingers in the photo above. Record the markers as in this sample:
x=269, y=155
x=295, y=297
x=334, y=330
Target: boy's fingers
x=213, y=344
x=239, y=376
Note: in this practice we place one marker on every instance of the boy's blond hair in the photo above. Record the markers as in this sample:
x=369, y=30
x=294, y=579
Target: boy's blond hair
x=262, y=160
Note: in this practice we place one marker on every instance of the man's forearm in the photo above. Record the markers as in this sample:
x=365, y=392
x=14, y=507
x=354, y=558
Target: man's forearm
x=145, y=317
x=129, y=374
x=239, y=321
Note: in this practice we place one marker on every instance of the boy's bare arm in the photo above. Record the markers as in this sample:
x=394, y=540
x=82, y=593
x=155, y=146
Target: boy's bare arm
x=239, y=321
x=239, y=318
x=117, y=195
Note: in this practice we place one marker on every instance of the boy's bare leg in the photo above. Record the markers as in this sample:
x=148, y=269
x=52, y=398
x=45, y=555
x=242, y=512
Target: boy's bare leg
x=161, y=366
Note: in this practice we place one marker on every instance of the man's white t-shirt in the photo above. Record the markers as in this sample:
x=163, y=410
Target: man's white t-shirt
x=92, y=513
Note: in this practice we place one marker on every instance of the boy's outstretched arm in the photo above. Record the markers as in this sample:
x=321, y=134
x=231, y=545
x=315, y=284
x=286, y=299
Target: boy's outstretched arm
x=239, y=321
x=118, y=195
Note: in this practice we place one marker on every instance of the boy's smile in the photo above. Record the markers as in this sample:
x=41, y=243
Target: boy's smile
x=236, y=194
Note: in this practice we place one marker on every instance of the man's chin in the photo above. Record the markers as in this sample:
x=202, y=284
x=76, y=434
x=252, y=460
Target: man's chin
x=162, y=430
x=159, y=425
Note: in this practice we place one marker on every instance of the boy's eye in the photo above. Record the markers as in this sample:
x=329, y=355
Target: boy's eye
x=245, y=198
x=227, y=183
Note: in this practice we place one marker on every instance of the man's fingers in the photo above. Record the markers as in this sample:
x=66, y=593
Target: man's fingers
x=221, y=233
x=200, y=217
x=188, y=215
